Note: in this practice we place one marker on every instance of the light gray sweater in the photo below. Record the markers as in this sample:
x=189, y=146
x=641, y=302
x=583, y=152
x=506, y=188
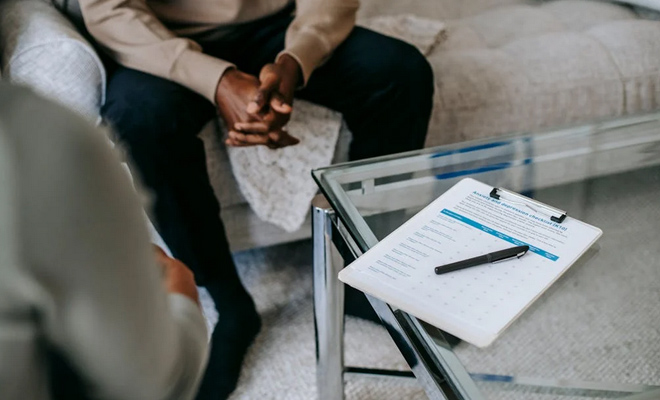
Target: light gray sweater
x=77, y=271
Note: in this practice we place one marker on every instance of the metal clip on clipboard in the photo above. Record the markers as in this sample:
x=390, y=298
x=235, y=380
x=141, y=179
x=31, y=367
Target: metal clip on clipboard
x=555, y=214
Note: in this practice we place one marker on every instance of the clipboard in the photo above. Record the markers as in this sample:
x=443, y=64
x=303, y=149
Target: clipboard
x=475, y=304
x=555, y=214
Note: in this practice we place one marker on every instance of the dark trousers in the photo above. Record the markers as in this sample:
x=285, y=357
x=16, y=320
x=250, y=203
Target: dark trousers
x=382, y=86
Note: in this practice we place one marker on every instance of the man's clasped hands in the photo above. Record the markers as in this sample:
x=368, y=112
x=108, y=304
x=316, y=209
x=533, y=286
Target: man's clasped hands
x=256, y=110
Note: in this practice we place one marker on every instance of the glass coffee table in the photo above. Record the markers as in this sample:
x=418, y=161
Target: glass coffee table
x=594, y=334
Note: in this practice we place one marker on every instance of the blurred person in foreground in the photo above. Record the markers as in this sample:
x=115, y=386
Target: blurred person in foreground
x=177, y=64
x=89, y=309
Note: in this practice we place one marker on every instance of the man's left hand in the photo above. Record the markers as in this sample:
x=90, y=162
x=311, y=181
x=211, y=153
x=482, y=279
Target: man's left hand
x=273, y=104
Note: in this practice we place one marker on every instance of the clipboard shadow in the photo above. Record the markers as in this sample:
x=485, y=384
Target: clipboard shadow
x=447, y=341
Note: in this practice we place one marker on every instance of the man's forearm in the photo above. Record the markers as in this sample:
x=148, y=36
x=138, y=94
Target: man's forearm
x=316, y=31
x=292, y=69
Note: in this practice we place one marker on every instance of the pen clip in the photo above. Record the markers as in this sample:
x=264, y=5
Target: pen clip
x=520, y=254
x=555, y=214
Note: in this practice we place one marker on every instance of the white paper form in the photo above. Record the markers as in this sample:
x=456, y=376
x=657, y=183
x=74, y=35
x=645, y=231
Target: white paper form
x=475, y=304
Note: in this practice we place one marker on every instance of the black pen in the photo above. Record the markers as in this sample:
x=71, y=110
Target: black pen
x=502, y=255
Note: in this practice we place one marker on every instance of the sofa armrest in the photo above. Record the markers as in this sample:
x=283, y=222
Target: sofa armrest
x=40, y=48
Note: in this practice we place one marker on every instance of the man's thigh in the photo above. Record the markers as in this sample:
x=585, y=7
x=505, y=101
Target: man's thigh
x=252, y=45
x=366, y=63
x=147, y=110
x=363, y=64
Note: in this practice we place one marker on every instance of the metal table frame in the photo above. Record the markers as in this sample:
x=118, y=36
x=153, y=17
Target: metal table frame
x=435, y=366
x=333, y=248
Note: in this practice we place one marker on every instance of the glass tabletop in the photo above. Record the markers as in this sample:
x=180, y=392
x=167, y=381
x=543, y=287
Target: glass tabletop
x=596, y=332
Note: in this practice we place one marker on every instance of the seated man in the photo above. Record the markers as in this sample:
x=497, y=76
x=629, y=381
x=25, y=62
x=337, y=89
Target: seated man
x=85, y=311
x=256, y=57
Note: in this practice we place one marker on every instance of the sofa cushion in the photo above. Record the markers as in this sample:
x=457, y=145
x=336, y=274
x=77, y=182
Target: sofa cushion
x=634, y=48
x=441, y=10
x=526, y=66
x=41, y=49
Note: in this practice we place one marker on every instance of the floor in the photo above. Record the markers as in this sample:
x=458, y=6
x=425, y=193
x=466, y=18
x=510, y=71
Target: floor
x=600, y=322
x=281, y=363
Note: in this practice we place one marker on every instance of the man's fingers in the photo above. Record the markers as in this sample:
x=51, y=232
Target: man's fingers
x=275, y=136
x=269, y=75
x=232, y=143
x=236, y=143
x=270, y=80
x=267, y=122
x=283, y=139
x=252, y=127
x=273, y=140
x=248, y=138
x=278, y=104
x=257, y=104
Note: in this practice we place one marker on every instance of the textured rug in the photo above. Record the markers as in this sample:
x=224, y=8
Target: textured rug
x=281, y=362
x=599, y=323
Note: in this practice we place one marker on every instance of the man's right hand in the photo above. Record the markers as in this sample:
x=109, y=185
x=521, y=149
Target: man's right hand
x=235, y=91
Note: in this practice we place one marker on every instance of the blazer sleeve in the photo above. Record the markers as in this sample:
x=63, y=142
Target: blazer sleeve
x=131, y=34
x=317, y=29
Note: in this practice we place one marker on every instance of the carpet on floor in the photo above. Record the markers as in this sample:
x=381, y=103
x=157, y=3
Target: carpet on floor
x=281, y=362
x=597, y=323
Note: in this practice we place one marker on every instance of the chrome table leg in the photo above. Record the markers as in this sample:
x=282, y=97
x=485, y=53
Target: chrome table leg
x=328, y=305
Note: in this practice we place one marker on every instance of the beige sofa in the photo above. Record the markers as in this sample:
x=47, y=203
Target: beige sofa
x=506, y=66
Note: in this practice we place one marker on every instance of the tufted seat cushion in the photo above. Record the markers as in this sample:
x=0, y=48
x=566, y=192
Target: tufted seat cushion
x=507, y=65
x=42, y=50
x=515, y=66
